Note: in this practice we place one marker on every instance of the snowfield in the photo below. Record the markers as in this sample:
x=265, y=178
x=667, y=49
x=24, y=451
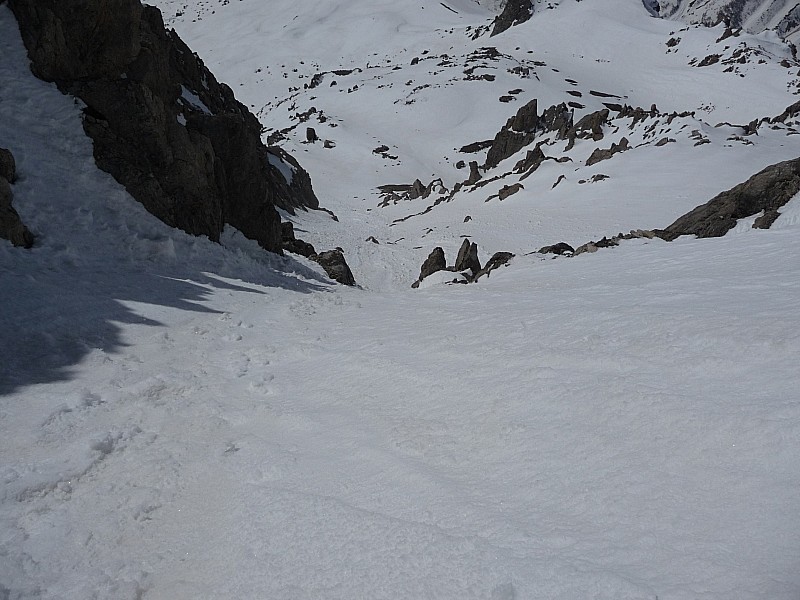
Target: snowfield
x=186, y=420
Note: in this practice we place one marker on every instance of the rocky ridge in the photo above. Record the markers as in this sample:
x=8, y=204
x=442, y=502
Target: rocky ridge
x=161, y=124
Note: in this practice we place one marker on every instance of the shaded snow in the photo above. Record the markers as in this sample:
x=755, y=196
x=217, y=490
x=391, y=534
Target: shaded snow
x=193, y=100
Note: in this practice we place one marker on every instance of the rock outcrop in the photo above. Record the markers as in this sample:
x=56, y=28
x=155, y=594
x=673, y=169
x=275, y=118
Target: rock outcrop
x=521, y=129
x=11, y=226
x=498, y=260
x=559, y=248
x=766, y=191
x=601, y=154
x=335, y=266
x=467, y=264
x=467, y=259
x=435, y=262
x=514, y=13
x=161, y=124
x=291, y=244
x=332, y=261
x=588, y=127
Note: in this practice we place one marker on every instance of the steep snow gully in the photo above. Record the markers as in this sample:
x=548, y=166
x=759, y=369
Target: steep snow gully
x=185, y=419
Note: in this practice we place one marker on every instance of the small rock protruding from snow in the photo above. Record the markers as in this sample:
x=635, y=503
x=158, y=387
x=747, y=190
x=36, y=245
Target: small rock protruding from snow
x=474, y=173
x=467, y=259
x=291, y=244
x=768, y=190
x=601, y=154
x=498, y=260
x=335, y=266
x=589, y=127
x=559, y=248
x=509, y=190
x=521, y=129
x=435, y=262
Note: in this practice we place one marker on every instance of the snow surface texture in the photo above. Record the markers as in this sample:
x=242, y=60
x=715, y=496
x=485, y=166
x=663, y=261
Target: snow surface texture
x=183, y=420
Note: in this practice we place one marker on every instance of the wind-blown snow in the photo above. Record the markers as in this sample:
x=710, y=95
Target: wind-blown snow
x=182, y=419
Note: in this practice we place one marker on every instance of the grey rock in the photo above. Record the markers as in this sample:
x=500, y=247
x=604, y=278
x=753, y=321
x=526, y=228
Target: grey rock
x=791, y=111
x=509, y=190
x=588, y=247
x=768, y=190
x=588, y=127
x=560, y=248
x=532, y=161
x=418, y=190
x=290, y=243
x=79, y=39
x=498, y=260
x=640, y=233
x=335, y=266
x=474, y=173
x=607, y=242
x=601, y=154
x=521, y=130
x=160, y=122
x=476, y=147
x=435, y=262
x=766, y=220
x=467, y=259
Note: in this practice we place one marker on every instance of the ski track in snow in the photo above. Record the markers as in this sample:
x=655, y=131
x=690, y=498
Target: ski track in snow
x=183, y=420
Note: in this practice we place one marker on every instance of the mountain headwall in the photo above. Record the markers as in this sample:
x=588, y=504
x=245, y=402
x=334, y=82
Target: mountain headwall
x=161, y=124
x=755, y=16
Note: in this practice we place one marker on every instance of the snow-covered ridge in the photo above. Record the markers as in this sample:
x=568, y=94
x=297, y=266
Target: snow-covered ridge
x=781, y=16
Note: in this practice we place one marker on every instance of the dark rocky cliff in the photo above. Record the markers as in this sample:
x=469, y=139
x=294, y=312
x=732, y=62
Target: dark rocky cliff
x=514, y=13
x=161, y=124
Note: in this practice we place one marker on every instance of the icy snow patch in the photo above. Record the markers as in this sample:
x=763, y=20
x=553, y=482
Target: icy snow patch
x=286, y=170
x=194, y=100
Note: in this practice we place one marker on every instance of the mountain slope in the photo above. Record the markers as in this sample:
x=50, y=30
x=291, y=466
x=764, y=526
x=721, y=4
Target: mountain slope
x=782, y=16
x=410, y=76
x=185, y=419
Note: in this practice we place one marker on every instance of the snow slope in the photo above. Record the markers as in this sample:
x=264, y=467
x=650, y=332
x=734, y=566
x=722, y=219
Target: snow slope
x=183, y=420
